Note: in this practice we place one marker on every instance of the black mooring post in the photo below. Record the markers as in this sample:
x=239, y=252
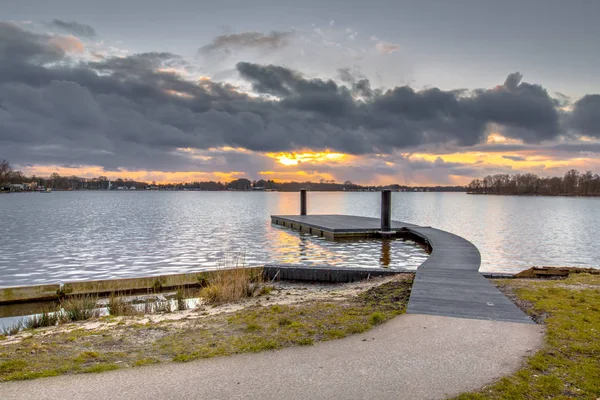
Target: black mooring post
x=302, y=201
x=386, y=210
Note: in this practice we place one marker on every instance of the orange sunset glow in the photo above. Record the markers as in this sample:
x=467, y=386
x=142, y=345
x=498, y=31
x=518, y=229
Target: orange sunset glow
x=309, y=165
x=288, y=159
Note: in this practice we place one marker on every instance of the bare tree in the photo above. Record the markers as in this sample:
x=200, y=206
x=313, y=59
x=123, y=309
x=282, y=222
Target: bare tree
x=5, y=170
x=573, y=183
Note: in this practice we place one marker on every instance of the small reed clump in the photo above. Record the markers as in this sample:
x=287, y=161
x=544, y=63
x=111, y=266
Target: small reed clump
x=79, y=308
x=47, y=317
x=181, y=301
x=12, y=329
x=232, y=284
x=117, y=305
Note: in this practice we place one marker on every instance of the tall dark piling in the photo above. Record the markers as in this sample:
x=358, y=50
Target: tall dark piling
x=303, y=202
x=386, y=210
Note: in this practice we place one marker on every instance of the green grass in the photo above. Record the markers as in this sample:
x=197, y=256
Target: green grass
x=254, y=329
x=146, y=361
x=568, y=366
x=103, y=367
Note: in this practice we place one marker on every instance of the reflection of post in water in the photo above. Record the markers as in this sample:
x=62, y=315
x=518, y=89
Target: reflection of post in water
x=386, y=245
x=302, y=247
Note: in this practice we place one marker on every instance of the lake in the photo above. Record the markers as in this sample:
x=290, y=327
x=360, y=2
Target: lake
x=48, y=238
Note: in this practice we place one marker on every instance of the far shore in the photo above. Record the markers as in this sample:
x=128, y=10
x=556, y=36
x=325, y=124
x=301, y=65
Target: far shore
x=537, y=194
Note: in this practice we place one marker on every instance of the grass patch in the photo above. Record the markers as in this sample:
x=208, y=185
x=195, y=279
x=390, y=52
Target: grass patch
x=12, y=366
x=377, y=318
x=79, y=308
x=94, y=369
x=146, y=361
x=232, y=284
x=253, y=329
x=568, y=366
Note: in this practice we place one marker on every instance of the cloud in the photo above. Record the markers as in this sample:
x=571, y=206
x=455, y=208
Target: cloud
x=131, y=112
x=513, y=80
x=75, y=28
x=18, y=46
x=386, y=47
x=585, y=118
x=350, y=33
x=515, y=158
x=68, y=44
x=247, y=40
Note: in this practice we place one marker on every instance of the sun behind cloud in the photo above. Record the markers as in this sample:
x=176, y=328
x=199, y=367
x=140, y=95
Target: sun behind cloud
x=295, y=158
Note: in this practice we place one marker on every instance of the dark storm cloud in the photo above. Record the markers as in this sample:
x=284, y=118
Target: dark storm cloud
x=401, y=116
x=75, y=28
x=256, y=40
x=130, y=112
x=586, y=115
x=18, y=46
x=515, y=158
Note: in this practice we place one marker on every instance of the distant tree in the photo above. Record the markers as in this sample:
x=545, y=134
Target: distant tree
x=573, y=183
x=5, y=170
x=240, y=184
x=570, y=181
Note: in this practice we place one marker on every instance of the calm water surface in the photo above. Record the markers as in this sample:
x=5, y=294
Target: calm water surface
x=97, y=235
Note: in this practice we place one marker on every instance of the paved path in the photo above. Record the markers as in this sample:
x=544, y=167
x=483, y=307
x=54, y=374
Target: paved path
x=410, y=357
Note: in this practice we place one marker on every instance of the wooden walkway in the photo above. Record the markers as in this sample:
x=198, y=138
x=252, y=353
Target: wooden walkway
x=448, y=283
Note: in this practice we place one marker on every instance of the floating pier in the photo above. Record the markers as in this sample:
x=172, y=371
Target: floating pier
x=334, y=226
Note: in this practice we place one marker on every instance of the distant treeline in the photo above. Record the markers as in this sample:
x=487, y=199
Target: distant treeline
x=57, y=182
x=573, y=183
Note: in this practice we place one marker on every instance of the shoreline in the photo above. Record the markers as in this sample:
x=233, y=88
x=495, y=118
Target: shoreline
x=534, y=194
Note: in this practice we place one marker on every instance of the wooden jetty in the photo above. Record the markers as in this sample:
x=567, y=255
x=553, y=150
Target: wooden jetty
x=334, y=227
x=448, y=283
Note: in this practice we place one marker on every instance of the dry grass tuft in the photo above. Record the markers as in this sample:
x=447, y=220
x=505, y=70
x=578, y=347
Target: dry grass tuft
x=47, y=317
x=117, y=305
x=79, y=308
x=228, y=285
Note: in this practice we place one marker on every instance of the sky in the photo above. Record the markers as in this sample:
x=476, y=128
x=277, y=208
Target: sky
x=417, y=93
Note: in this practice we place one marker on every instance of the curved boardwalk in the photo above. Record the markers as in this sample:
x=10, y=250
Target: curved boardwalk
x=447, y=284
